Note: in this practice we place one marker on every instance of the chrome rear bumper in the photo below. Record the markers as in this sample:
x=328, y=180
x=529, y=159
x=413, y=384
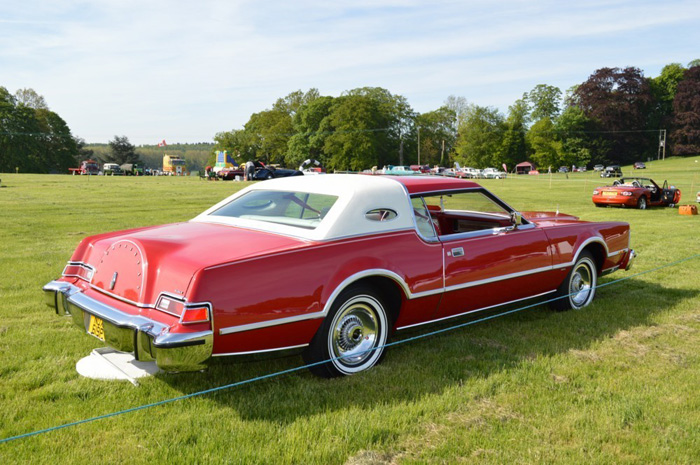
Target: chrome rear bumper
x=628, y=260
x=147, y=339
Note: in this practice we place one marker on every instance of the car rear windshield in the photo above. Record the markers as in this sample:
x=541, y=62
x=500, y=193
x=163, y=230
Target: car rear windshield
x=298, y=209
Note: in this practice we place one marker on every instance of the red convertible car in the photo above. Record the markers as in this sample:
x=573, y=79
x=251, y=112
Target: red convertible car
x=636, y=192
x=330, y=265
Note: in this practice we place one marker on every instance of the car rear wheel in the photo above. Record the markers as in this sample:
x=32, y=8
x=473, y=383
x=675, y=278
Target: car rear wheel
x=642, y=203
x=578, y=289
x=352, y=337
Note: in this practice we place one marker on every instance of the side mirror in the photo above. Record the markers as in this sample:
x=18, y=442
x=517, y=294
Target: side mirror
x=516, y=218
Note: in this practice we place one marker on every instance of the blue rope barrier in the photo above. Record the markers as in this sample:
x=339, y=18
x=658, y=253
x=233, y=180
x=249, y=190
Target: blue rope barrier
x=304, y=367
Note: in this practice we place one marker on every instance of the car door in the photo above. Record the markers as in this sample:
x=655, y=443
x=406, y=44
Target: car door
x=488, y=260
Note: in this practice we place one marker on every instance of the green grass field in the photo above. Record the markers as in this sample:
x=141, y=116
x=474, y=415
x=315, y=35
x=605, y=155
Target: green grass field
x=617, y=382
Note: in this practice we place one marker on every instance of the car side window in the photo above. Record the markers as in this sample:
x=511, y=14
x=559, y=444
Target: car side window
x=423, y=220
x=466, y=212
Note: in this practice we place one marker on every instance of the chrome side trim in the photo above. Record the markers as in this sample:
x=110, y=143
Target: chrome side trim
x=251, y=352
x=480, y=282
x=476, y=310
x=612, y=254
x=268, y=323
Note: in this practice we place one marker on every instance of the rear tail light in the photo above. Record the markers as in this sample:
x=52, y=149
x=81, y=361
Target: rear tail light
x=79, y=270
x=171, y=306
x=596, y=192
x=195, y=315
x=189, y=313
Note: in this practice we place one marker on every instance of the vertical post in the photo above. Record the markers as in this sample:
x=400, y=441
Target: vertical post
x=662, y=144
x=442, y=153
x=419, y=145
x=401, y=152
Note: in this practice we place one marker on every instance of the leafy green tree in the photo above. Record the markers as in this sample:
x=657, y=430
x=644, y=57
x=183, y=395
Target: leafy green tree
x=59, y=147
x=545, y=146
x=33, y=138
x=573, y=129
x=544, y=100
x=29, y=98
x=437, y=135
x=395, y=122
x=269, y=132
x=663, y=89
x=480, y=137
x=685, y=138
x=295, y=100
x=308, y=140
x=122, y=151
x=356, y=133
x=459, y=107
x=514, y=147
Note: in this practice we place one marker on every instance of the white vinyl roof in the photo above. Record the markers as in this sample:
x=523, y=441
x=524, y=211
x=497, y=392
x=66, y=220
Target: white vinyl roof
x=357, y=195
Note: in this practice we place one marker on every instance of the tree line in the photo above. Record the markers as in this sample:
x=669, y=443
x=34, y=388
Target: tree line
x=615, y=116
x=32, y=137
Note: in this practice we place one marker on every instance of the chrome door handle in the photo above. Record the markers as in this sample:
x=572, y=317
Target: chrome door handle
x=458, y=252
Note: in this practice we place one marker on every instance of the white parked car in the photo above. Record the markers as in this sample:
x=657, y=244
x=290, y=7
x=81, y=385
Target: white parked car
x=493, y=173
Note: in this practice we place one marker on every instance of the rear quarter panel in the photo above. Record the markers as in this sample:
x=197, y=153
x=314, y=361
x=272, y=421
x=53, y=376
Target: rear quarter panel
x=302, y=282
x=568, y=240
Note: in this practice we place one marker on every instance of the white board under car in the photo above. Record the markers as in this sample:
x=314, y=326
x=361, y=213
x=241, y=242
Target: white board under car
x=107, y=363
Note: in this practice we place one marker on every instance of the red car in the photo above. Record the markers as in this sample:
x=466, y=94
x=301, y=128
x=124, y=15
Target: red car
x=636, y=192
x=331, y=265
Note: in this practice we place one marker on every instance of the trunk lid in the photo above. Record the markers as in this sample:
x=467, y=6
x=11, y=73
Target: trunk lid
x=138, y=266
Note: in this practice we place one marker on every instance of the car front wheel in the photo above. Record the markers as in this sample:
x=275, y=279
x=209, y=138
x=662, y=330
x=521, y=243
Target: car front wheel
x=352, y=337
x=578, y=289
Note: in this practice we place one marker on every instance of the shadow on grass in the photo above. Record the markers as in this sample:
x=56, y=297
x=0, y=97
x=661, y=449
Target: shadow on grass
x=412, y=370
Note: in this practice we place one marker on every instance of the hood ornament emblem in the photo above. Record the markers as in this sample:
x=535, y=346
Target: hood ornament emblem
x=114, y=281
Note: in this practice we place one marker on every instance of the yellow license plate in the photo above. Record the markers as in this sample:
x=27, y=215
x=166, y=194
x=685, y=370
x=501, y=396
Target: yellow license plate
x=609, y=193
x=96, y=328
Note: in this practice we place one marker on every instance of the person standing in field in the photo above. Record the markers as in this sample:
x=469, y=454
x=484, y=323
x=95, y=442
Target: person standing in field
x=249, y=170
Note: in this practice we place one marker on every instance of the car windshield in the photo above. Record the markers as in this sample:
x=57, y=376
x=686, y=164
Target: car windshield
x=298, y=209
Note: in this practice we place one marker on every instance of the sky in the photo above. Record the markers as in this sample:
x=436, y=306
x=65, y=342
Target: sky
x=182, y=71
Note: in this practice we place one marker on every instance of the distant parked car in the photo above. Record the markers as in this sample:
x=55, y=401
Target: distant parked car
x=612, y=171
x=270, y=173
x=598, y=168
x=493, y=173
x=472, y=173
x=229, y=174
x=563, y=169
x=112, y=168
x=640, y=166
x=636, y=192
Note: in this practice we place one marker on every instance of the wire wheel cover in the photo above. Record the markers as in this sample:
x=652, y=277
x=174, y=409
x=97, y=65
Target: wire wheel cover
x=355, y=332
x=580, y=285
